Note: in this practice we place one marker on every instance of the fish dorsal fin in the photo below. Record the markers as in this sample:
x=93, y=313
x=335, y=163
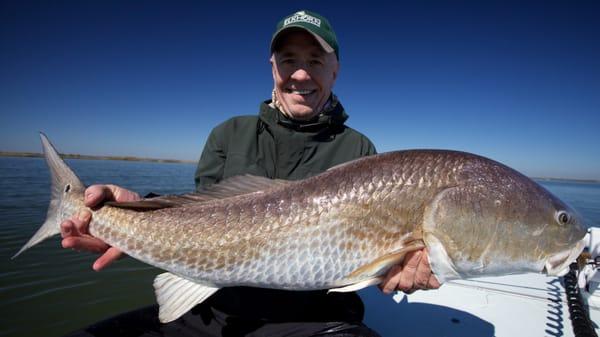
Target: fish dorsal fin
x=344, y=164
x=242, y=184
x=165, y=201
x=176, y=296
x=230, y=187
x=382, y=263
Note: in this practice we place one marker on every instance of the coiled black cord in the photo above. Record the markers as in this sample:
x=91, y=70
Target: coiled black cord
x=580, y=318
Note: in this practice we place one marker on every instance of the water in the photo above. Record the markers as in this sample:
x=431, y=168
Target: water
x=49, y=291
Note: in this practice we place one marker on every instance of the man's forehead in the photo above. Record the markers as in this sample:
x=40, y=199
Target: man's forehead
x=293, y=50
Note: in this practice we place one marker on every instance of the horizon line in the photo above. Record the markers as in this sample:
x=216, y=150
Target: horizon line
x=20, y=154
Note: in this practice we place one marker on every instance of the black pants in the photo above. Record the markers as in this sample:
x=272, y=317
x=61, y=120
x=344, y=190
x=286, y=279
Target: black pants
x=205, y=321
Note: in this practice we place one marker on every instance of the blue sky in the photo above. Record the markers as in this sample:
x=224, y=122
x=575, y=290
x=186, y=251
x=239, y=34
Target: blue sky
x=516, y=81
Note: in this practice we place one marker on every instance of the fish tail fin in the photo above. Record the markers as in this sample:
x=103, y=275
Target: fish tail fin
x=64, y=182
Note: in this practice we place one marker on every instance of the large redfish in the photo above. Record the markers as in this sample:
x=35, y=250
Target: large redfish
x=341, y=230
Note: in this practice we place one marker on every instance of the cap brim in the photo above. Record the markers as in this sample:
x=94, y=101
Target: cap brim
x=326, y=47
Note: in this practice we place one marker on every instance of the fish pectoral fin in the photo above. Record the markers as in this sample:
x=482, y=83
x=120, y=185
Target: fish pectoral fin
x=385, y=262
x=357, y=286
x=176, y=296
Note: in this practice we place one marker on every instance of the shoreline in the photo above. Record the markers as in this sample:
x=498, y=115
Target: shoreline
x=581, y=181
x=90, y=157
x=180, y=161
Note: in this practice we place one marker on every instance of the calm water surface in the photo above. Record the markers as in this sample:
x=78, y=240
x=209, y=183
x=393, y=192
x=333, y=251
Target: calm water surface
x=49, y=291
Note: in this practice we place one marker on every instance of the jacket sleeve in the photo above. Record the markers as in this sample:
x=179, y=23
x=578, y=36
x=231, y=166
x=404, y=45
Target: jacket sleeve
x=212, y=161
x=369, y=148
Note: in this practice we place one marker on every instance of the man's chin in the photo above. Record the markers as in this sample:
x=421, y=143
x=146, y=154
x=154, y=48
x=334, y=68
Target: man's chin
x=301, y=112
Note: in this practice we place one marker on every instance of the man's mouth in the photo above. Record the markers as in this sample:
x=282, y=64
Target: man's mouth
x=302, y=92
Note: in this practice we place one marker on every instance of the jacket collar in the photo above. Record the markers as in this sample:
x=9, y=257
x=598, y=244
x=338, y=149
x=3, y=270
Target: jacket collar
x=334, y=118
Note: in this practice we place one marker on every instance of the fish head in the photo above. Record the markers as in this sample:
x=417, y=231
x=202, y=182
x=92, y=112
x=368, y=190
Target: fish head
x=496, y=221
x=565, y=240
x=552, y=234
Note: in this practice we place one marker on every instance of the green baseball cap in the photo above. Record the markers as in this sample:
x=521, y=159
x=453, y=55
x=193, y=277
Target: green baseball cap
x=313, y=23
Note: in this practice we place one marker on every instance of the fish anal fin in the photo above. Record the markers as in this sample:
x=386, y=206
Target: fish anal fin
x=385, y=261
x=357, y=286
x=176, y=295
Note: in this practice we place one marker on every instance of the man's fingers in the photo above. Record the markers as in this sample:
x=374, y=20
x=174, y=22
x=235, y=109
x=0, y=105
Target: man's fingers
x=96, y=194
x=87, y=243
x=425, y=279
x=75, y=230
x=111, y=255
x=407, y=277
x=82, y=221
x=120, y=194
x=414, y=273
x=433, y=282
x=391, y=280
x=76, y=225
x=67, y=228
x=402, y=277
x=423, y=273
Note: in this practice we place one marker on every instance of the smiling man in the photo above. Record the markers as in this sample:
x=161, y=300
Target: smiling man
x=303, y=73
x=298, y=133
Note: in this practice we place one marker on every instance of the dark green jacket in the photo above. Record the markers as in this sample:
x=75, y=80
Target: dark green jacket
x=274, y=146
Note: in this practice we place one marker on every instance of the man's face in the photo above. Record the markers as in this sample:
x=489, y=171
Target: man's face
x=303, y=73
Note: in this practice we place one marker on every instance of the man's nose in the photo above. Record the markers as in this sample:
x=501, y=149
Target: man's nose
x=301, y=75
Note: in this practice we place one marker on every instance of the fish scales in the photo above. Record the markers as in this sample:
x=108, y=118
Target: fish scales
x=342, y=229
x=301, y=240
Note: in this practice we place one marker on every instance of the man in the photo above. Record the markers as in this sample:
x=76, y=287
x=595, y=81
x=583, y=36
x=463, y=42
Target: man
x=299, y=133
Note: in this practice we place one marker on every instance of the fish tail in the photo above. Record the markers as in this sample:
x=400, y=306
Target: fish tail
x=64, y=182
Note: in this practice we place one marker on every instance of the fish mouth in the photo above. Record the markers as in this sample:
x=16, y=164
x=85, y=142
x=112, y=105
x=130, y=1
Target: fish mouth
x=558, y=264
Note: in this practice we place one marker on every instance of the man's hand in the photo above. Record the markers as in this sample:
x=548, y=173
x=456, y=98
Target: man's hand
x=75, y=230
x=412, y=274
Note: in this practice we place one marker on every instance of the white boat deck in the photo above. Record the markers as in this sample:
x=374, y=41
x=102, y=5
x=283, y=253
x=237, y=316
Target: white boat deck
x=517, y=305
x=529, y=305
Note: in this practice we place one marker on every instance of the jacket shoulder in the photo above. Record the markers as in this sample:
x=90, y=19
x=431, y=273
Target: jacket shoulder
x=355, y=137
x=235, y=126
x=237, y=122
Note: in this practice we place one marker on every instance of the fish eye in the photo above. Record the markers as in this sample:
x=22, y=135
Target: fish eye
x=562, y=217
x=67, y=188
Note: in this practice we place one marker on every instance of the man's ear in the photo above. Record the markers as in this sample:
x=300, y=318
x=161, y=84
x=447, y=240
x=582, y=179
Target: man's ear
x=336, y=69
x=272, y=61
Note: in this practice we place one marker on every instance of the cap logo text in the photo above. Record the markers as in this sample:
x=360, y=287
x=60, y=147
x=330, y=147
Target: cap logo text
x=302, y=17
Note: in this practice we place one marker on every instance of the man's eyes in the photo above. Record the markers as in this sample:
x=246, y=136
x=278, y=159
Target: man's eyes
x=313, y=62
